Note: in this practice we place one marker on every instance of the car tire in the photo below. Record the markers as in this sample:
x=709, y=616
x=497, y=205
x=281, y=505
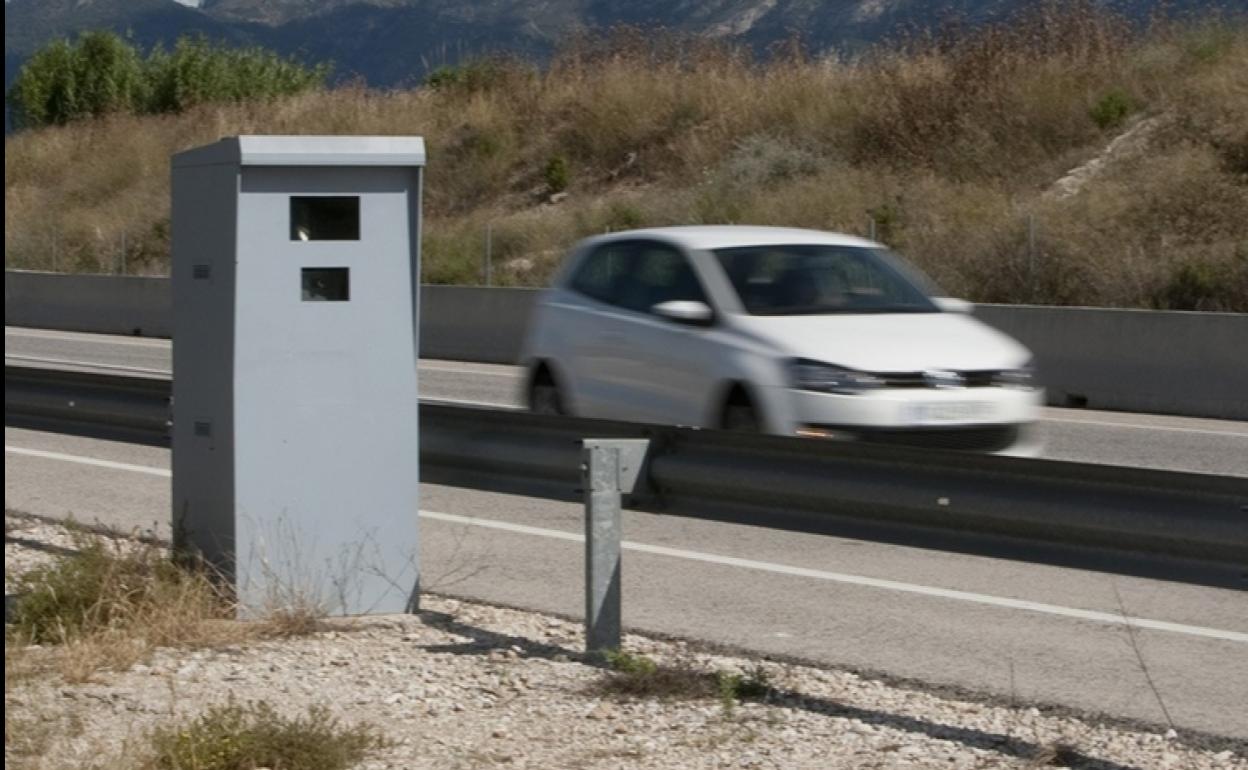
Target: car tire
x=544, y=396
x=741, y=416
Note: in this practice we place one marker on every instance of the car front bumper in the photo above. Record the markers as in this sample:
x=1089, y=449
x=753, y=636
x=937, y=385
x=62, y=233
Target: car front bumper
x=989, y=419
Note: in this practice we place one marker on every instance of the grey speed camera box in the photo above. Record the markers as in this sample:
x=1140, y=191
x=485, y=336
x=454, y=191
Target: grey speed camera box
x=295, y=277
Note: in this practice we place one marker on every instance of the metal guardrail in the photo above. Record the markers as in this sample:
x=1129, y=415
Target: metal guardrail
x=1031, y=510
x=129, y=406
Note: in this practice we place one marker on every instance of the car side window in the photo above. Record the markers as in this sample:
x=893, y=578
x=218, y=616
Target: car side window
x=601, y=275
x=660, y=274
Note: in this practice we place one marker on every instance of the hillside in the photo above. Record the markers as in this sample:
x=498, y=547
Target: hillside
x=961, y=153
x=397, y=42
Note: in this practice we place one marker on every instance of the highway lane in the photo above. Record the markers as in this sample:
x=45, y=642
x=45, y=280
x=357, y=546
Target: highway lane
x=1112, y=438
x=1071, y=638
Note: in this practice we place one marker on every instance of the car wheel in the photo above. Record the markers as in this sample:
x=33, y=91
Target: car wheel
x=741, y=416
x=544, y=397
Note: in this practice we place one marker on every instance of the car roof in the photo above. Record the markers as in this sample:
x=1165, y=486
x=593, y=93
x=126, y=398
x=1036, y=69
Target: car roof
x=727, y=236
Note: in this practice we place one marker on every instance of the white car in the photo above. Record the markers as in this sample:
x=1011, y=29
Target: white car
x=785, y=331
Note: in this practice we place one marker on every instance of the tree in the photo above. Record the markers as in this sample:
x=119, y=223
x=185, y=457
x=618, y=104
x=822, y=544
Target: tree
x=101, y=73
x=97, y=74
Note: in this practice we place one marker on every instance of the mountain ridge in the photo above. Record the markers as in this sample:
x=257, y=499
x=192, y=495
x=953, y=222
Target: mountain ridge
x=390, y=43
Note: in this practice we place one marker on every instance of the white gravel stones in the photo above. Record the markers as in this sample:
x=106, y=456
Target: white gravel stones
x=515, y=693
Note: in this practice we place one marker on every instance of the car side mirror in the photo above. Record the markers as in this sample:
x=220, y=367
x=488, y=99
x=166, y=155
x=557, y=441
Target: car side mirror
x=953, y=305
x=689, y=312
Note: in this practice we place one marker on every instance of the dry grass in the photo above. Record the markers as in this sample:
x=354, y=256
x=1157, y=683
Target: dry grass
x=111, y=603
x=291, y=621
x=950, y=142
x=114, y=601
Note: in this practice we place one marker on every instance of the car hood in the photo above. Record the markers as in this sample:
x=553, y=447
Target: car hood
x=888, y=342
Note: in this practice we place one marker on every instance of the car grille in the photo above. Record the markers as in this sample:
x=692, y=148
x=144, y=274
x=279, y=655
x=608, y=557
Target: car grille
x=977, y=438
x=972, y=379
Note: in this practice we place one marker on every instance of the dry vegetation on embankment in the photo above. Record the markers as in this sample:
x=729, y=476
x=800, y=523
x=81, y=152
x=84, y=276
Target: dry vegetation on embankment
x=950, y=144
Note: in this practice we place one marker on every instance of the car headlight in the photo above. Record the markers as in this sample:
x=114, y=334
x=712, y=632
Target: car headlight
x=1023, y=378
x=827, y=378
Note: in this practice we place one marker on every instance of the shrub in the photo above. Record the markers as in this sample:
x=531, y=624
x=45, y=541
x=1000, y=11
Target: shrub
x=735, y=687
x=198, y=72
x=478, y=75
x=630, y=663
x=634, y=675
x=1234, y=153
x=556, y=174
x=1112, y=109
x=638, y=676
x=620, y=215
x=1207, y=284
x=761, y=161
x=254, y=735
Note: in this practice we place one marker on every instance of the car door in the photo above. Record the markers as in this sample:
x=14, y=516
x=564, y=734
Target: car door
x=594, y=328
x=667, y=369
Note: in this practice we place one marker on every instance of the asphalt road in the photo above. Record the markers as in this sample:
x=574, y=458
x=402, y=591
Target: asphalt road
x=1032, y=633
x=1112, y=438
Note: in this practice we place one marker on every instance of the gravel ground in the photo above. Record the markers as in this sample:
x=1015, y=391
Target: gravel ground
x=465, y=685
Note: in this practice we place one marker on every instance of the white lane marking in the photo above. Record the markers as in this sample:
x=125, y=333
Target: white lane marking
x=840, y=577
x=1135, y=426
x=84, y=364
x=435, y=400
x=41, y=454
x=429, y=365
x=95, y=339
x=432, y=365
x=761, y=566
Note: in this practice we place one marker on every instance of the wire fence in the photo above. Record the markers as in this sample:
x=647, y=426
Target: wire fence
x=1028, y=259
x=122, y=254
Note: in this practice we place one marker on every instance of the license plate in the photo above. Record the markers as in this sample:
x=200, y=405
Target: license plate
x=947, y=412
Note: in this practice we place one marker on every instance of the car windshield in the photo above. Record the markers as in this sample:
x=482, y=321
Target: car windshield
x=810, y=279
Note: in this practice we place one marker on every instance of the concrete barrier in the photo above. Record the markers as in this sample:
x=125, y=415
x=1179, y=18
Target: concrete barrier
x=104, y=304
x=470, y=323
x=1191, y=364
x=465, y=323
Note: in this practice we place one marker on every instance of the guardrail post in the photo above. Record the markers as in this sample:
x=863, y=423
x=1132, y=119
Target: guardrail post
x=609, y=468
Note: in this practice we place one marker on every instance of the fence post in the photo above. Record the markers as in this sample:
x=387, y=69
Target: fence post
x=488, y=267
x=871, y=228
x=609, y=467
x=1031, y=256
